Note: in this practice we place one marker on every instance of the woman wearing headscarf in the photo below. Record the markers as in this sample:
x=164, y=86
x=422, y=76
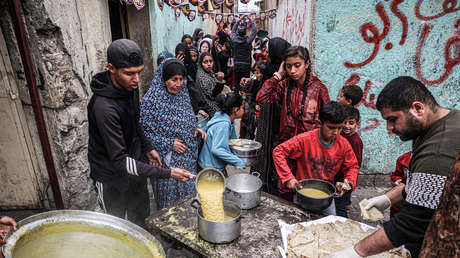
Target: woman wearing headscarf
x=207, y=81
x=196, y=97
x=169, y=123
x=221, y=52
x=197, y=37
x=205, y=45
x=162, y=56
x=269, y=118
x=187, y=39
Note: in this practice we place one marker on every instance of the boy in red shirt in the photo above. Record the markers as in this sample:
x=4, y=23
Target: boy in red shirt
x=320, y=154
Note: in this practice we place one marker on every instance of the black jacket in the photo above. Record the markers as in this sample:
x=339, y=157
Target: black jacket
x=117, y=144
x=242, y=47
x=196, y=97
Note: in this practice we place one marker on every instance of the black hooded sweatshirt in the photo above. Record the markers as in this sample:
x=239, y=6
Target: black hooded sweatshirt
x=117, y=145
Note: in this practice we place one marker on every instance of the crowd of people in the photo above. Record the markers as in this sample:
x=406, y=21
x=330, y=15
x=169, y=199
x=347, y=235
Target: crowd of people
x=269, y=85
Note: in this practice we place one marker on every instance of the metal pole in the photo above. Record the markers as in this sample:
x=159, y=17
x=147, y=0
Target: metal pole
x=19, y=29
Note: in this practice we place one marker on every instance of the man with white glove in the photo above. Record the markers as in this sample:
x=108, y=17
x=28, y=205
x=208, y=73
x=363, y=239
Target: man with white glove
x=412, y=113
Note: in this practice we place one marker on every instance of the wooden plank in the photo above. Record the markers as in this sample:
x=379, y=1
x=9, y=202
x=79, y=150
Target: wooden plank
x=260, y=234
x=18, y=164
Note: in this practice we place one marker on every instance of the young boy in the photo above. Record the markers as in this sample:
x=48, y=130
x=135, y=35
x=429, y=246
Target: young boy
x=350, y=96
x=320, y=154
x=343, y=204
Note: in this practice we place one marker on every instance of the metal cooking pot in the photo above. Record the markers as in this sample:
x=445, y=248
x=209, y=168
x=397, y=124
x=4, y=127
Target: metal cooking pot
x=244, y=190
x=248, y=152
x=312, y=203
x=77, y=233
x=219, y=232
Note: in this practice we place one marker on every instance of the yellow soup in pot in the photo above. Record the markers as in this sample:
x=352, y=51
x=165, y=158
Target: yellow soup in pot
x=315, y=193
x=212, y=206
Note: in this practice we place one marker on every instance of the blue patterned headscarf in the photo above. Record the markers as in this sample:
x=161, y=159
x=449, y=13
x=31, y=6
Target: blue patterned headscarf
x=163, y=56
x=164, y=117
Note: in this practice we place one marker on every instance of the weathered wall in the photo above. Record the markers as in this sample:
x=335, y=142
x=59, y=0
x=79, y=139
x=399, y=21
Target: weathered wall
x=371, y=42
x=167, y=30
x=68, y=40
x=138, y=30
x=292, y=21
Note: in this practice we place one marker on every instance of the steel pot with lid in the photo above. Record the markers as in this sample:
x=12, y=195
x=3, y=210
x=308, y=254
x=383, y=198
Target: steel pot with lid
x=311, y=203
x=219, y=232
x=77, y=233
x=245, y=149
x=244, y=189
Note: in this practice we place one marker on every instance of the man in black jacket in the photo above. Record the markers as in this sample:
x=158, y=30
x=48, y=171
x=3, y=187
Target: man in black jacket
x=120, y=156
x=242, y=48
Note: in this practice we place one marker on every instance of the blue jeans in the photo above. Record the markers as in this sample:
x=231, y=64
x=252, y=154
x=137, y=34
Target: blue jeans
x=330, y=210
x=341, y=204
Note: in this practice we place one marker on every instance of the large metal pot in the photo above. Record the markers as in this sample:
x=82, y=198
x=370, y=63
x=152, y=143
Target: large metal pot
x=244, y=190
x=219, y=232
x=312, y=203
x=76, y=233
x=248, y=151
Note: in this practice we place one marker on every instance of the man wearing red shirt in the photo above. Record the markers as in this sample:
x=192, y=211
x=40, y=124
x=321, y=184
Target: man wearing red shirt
x=319, y=154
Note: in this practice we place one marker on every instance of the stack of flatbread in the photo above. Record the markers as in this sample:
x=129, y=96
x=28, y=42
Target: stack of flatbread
x=321, y=240
x=373, y=214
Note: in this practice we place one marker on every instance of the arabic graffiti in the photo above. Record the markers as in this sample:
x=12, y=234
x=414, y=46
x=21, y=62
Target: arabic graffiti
x=370, y=34
x=452, y=46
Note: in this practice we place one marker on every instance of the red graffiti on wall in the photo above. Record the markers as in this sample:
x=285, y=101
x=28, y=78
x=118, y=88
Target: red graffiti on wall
x=372, y=124
x=448, y=6
x=376, y=36
x=451, y=46
x=293, y=28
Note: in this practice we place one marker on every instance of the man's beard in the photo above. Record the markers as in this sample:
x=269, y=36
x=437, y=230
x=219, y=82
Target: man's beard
x=414, y=128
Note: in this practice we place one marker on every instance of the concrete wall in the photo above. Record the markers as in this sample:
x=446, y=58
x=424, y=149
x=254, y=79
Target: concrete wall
x=68, y=40
x=138, y=30
x=406, y=43
x=293, y=22
x=167, y=30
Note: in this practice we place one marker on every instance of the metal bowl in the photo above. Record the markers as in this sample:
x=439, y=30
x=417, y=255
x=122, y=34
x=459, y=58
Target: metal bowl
x=249, y=148
x=244, y=190
x=77, y=233
x=312, y=203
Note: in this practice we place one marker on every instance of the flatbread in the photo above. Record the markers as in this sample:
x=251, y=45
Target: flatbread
x=345, y=185
x=373, y=214
x=321, y=240
x=236, y=142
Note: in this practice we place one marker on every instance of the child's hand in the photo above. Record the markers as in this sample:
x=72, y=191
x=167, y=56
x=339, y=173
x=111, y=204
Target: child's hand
x=245, y=81
x=292, y=184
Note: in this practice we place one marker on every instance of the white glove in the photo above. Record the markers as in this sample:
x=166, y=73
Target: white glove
x=346, y=253
x=381, y=202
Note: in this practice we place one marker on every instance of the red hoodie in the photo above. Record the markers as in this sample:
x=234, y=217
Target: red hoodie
x=317, y=95
x=314, y=160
